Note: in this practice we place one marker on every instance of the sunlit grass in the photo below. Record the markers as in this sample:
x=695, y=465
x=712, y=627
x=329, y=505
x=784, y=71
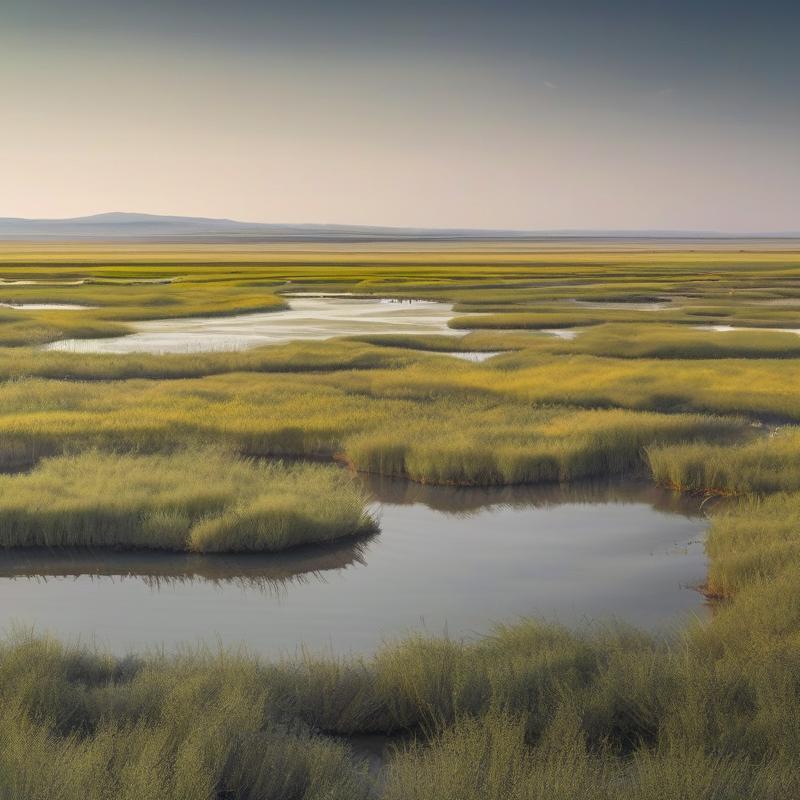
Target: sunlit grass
x=657, y=340
x=199, y=500
x=419, y=428
x=770, y=463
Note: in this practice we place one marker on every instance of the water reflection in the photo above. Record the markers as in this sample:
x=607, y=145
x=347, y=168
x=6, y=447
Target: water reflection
x=309, y=318
x=267, y=572
x=447, y=560
x=468, y=499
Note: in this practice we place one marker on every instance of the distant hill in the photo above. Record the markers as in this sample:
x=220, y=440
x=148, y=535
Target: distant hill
x=123, y=226
x=118, y=226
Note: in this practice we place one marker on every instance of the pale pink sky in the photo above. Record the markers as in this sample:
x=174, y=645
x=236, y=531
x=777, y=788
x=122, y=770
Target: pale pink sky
x=456, y=137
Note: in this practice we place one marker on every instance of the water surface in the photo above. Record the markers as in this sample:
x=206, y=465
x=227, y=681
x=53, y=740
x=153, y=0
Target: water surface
x=568, y=334
x=446, y=561
x=46, y=306
x=475, y=356
x=730, y=328
x=310, y=317
x=624, y=305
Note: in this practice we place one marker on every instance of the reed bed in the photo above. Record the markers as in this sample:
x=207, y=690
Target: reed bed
x=77, y=725
x=754, y=542
x=656, y=340
x=418, y=429
x=201, y=501
x=488, y=759
x=110, y=307
x=309, y=356
x=499, y=446
x=770, y=463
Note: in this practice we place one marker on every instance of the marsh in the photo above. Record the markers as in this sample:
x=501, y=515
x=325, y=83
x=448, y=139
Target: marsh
x=446, y=561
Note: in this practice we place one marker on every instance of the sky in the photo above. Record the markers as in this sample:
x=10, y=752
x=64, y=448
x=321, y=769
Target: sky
x=530, y=115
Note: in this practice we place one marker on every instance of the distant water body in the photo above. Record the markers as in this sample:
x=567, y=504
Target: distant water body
x=309, y=318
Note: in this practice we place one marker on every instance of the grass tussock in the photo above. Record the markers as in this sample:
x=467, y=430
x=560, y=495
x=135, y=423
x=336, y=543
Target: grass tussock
x=655, y=340
x=532, y=711
x=488, y=759
x=309, y=356
x=770, y=463
x=110, y=306
x=754, y=542
x=503, y=447
x=198, y=500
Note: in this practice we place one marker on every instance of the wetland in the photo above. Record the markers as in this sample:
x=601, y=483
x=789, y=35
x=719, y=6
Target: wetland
x=253, y=524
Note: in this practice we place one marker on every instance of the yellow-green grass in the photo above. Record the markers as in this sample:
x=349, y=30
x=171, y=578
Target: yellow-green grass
x=301, y=356
x=562, y=316
x=502, y=445
x=527, y=286
x=148, y=301
x=760, y=388
x=488, y=759
x=75, y=726
x=200, y=501
x=754, y=542
x=110, y=307
x=21, y=328
x=769, y=463
x=532, y=711
x=429, y=432
x=677, y=342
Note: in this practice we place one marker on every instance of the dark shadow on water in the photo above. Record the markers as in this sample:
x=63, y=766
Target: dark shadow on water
x=468, y=500
x=269, y=572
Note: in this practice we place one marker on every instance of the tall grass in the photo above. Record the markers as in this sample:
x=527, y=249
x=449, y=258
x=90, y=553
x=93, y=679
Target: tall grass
x=770, y=463
x=199, y=500
x=655, y=340
x=488, y=759
x=76, y=726
x=427, y=427
x=755, y=541
x=307, y=356
x=533, y=711
x=502, y=446
x=109, y=307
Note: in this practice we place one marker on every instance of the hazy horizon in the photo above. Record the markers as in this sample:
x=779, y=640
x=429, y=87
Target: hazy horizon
x=538, y=116
x=123, y=218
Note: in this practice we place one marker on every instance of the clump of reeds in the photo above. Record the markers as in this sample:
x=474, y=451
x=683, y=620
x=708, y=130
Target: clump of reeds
x=201, y=500
x=769, y=463
x=754, y=541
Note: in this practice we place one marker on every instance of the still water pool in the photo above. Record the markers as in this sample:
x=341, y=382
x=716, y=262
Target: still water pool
x=447, y=560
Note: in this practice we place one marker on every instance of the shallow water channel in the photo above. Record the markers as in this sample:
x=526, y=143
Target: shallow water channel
x=46, y=306
x=447, y=560
x=314, y=317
